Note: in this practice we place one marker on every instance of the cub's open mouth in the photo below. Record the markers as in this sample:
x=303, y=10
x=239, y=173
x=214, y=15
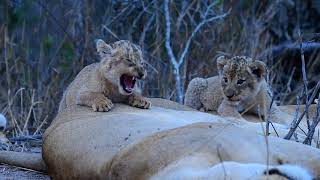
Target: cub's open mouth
x=127, y=82
x=234, y=100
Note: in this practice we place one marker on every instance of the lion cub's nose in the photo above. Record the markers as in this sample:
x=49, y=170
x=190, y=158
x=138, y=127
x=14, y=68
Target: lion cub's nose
x=141, y=75
x=229, y=93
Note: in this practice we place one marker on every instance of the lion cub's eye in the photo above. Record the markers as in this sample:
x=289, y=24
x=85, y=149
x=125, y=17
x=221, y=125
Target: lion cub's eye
x=241, y=81
x=130, y=62
x=225, y=79
x=144, y=64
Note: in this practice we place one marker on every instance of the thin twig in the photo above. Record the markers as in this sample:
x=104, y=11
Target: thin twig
x=295, y=125
x=268, y=117
x=304, y=75
x=112, y=33
x=313, y=126
x=221, y=161
x=15, y=123
x=177, y=62
x=267, y=146
x=274, y=129
x=42, y=123
x=56, y=21
x=290, y=80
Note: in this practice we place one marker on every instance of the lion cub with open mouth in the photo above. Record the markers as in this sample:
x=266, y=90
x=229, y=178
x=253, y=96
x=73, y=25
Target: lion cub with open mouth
x=112, y=80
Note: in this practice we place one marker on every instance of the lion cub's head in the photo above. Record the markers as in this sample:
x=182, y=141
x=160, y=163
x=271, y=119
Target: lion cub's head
x=240, y=77
x=121, y=63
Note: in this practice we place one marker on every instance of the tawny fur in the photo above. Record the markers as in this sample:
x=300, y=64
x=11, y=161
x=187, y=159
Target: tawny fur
x=131, y=139
x=242, y=79
x=98, y=85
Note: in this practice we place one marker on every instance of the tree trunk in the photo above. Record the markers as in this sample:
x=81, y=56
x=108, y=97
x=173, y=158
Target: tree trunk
x=179, y=86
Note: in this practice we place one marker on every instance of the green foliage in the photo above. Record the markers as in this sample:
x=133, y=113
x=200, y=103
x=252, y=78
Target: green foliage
x=16, y=15
x=47, y=43
x=66, y=56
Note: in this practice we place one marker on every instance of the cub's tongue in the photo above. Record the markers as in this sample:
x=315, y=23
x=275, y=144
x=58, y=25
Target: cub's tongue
x=128, y=82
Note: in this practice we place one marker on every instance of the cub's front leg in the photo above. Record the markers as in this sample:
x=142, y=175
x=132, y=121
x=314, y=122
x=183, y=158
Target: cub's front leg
x=139, y=101
x=228, y=110
x=96, y=100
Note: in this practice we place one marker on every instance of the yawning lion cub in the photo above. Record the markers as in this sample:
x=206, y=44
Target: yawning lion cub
x=113, y=79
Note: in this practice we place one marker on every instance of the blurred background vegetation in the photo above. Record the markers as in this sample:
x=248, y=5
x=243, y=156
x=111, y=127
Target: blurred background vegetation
x=44, y=44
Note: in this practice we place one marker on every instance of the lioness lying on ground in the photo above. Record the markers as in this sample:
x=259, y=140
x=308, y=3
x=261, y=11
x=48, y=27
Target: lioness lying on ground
x=240, y=87
x=112, y=80
x=130, y=143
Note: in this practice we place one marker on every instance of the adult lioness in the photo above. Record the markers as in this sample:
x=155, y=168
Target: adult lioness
x=113, y=79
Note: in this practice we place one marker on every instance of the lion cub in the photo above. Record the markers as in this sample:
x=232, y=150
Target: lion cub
x=240, y=87
x=112, y=80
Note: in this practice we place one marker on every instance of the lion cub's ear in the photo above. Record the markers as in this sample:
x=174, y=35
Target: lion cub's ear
x=258, y=68
x=221, y=62
x=103, y=48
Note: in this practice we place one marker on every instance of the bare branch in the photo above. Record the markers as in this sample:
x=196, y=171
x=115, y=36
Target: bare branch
x=314, y=124
x=277, y=49
x=112, y=33
x=304, y=75
x=295, y=125
x=173, y=59
x=145, y=29
x=199, y=26
x=312, y=129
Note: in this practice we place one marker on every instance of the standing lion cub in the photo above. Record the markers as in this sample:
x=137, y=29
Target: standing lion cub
x=240, y=87
x=112, y=80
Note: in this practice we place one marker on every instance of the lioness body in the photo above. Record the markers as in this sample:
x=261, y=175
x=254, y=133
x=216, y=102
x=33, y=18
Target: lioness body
x=135, y=143
x=240, y=87
x=112, y=80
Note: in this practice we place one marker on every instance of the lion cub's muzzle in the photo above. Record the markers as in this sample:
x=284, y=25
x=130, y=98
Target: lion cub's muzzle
x=231, y=95
x=128, y=81
x=141, y=73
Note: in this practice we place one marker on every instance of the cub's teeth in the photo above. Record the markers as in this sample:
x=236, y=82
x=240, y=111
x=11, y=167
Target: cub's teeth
x=133, y=78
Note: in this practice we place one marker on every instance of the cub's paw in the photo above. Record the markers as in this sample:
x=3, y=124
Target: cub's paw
x=102, y=104
x=139, y=102
x=228, y=111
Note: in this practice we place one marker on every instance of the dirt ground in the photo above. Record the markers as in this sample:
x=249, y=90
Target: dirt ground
x=15, y=173
x=8, y=172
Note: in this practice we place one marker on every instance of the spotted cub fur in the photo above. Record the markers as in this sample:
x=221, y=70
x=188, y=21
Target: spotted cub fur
x=239, y=87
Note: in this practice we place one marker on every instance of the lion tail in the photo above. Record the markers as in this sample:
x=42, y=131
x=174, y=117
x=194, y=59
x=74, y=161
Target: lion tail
x=32, y=161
